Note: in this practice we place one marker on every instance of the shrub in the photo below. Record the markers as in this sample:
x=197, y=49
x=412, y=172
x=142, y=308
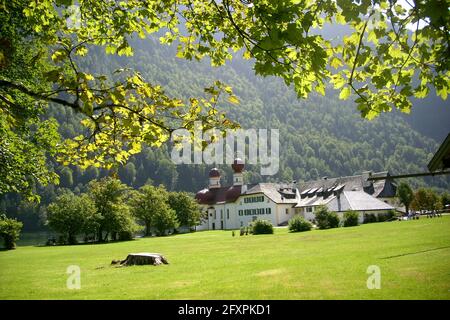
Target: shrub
x=382, y=217
x=261, y=227
x=333, y=220
x=369, y=218
x=125, y=235
x=351, y=218
x=10, y=231
x=326, y=219
x=299, y=224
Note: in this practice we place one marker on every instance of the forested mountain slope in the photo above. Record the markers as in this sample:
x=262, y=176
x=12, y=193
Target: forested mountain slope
x=320, y=136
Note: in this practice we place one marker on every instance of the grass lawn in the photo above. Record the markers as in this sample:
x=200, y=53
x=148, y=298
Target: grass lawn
x=413, y=256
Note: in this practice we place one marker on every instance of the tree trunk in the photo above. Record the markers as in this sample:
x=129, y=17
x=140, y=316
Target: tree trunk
x=72, y=239
x=142, y=259
x=147, y=229
x=100, y=235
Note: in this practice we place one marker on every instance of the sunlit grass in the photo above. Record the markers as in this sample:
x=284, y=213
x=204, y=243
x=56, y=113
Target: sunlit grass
x=414, y=258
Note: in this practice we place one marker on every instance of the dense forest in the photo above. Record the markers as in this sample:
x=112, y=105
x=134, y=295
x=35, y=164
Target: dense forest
x=320, y=136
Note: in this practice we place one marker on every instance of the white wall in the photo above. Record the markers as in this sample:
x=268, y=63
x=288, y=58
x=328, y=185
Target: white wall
x=281, y=213
x=245, y=220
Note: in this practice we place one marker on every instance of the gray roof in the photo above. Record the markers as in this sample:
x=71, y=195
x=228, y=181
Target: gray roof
x=274, y=191
x=314, y=201
x=358, y=201
x=379, y=188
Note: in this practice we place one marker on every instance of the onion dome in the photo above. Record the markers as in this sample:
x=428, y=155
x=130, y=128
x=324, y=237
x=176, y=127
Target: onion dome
x=214, y=173
x=238, y=165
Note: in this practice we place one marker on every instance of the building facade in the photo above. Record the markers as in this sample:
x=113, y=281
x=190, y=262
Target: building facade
x=233, y=207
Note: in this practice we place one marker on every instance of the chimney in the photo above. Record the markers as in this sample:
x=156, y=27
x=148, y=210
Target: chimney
x=364, y=179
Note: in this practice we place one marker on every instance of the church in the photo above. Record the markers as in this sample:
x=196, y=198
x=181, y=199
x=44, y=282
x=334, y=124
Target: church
x=233, y=207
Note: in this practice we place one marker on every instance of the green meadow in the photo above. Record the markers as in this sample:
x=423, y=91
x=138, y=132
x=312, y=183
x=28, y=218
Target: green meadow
x=413, y=257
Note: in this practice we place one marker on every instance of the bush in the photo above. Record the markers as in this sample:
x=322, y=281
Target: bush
x=369, y=218
x=351, y=218
x=326, y=219
x=10, y=231
x=261, y=227
x=382, y=217
x=125, y=235
x=333, y=220
x=299, y=224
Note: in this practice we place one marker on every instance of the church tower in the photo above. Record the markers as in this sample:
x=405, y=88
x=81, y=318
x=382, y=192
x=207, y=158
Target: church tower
x=214, y=178
x=238, y=176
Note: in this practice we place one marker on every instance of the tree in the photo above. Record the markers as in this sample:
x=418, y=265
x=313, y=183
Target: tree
x=388, y=47
x=426, y=199
x=164, y=219
x=9, y=231
x=186, y=208
x=25, y=140
x=145, y=204
x=66, y=177
x=405, y=194
x=445, y=198
x=71, y=215
x=119, y=222
x=109, y=196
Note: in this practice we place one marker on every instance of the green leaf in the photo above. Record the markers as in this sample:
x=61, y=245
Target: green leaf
x=345, y=93
x=233, y=100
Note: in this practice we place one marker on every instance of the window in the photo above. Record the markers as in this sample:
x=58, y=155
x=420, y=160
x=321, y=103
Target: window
x=309, y=209
x=254, y=199
x=221, y=214
x=240, y=212
x=242, y=223
x=287, y=211
x=215, y=214
x=228, y=214
x=254, y=218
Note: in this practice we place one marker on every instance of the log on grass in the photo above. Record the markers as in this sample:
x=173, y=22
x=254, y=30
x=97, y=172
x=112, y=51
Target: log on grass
x=142, y=259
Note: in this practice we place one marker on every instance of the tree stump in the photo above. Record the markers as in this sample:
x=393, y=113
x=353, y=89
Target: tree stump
x=142, y=259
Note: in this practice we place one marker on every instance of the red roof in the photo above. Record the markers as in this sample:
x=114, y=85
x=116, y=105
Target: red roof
x=217, y=195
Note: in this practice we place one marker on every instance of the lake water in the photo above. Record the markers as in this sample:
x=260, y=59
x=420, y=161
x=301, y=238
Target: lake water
x=34, y=238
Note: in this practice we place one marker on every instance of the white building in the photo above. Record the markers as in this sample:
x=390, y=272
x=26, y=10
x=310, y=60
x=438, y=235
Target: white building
x=232, y=207
x=236, y=206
